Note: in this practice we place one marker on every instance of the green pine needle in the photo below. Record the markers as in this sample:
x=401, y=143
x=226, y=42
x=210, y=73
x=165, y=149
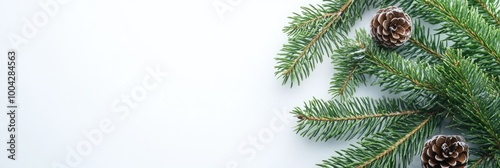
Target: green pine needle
x=434, y=80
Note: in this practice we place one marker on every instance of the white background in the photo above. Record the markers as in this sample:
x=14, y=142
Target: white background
x=219, y=94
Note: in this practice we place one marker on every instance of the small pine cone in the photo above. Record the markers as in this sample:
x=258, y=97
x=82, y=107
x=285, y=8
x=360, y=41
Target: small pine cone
x=445, y=151
x=391, y=27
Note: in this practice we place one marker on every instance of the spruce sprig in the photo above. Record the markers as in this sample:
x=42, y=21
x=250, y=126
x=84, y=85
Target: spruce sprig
x=434, y=80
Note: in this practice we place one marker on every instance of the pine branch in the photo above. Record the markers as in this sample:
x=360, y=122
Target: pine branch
x=395, y=146
x=360, y=117
x=348, y=79
x=393, y=72
x=311, y=19
x=313, y=33
x=335, y=119
x=490, y=9
x=417, y=10
x=348, y=63
x=398, y=74
x=300, y=55
x=484, y=161
x=463, y=23
x=462, y=82
x=310, y=44
x=475, y=96
x=423, y=45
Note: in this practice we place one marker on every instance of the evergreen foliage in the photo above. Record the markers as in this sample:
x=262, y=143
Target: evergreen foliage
x=453, y=73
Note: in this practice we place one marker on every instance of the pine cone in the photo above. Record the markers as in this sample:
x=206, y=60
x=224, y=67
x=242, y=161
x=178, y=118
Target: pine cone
x=445, y=151
x=391, y=27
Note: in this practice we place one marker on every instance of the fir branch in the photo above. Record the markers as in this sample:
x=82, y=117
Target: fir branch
x=477, y=162
x=299, y=57
x=349, y=76
x=490, y=9
x=393, y=72
x=348, y=63
x=475, y=96
x=416, y=10
x=335, y=119
x=308, y=46
x=465, y=83
x=485, y=161
x=422, y=42
x=313, y=33
x=393, y=69
x=360, y=117
x=310, y=20
x=470, y=22
x=395, y=146
x=424, y=47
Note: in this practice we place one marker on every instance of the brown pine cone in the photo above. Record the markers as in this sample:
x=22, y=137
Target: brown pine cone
x=445, y=151
x=391, y=27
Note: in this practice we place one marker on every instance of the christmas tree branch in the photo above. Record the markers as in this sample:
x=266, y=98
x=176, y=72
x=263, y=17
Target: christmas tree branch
x=348, y=63
x=312, y=35
x=360, y=117
x=488, y=8
x=476, y=97
x=397, y=144
x=308, y=46
x=424, y=47
x=479, y=162
x=311, y=18
x=391, y=66
x=393, y=71
x=392, y=147
x=460, y=81
x=349, y=76
x=470, y=22
x=346, y=119
x=485, y=161
x=304, y=50
x=422, y=42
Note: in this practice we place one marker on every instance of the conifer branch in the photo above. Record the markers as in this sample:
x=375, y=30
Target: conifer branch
x=455, y=12
x=297, y=27
x=475, y=96
x=485, y=161
x=478, y=162
x=392, y=147
x=350, y=66
x=346, y=119
x=460, y=80
x=488, y=8
x=424, y=47
x=360, y=117
x=397, y=144
x=313, y=33
x=294, y=28
x=308, y=46
x=349, y=76
x=394, y=71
